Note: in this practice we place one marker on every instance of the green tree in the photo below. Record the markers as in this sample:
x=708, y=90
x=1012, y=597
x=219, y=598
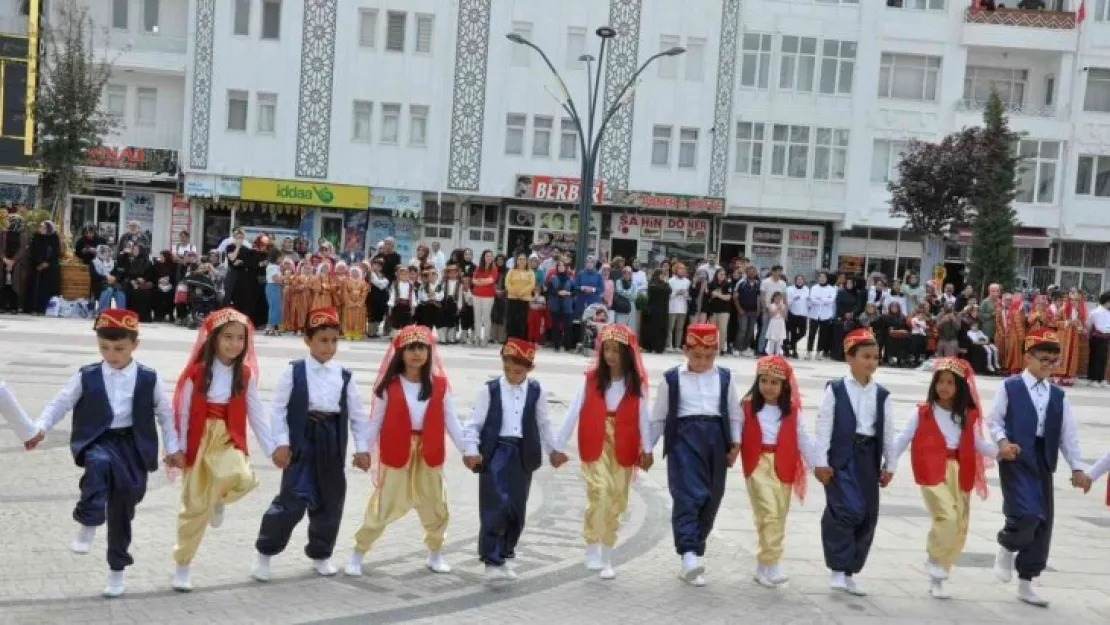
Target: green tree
x=992, y=229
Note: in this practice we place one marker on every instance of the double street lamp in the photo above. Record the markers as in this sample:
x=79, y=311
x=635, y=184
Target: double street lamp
x=590, y=132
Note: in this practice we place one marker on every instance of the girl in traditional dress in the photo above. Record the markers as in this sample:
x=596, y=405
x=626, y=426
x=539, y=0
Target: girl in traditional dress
x=1040, y=317
x=1002, y=331
x=1071, y=324
x=321, y=288
x=339, y=286
x=354, y=306
x=298, y=297
x=1015, y=338
x=288, y=274
x=216, y=396
x=402, y=300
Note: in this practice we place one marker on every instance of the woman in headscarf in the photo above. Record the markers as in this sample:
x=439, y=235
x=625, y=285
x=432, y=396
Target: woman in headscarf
x=624, y=298
x=657, y=313
x=1071, y=321
x=45, y=275
x=139, y=285
x=13, y=280
x=85, y=247
x=163, y=276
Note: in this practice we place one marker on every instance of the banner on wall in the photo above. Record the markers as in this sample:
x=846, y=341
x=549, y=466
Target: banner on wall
x=671, y=202
x=653, y=227
x=354, y=235
x=181, y=217
x=402, y=230
x=139, y=206
x=555, y=189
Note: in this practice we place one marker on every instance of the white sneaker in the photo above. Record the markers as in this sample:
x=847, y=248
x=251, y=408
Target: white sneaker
x=83, y=540
x=762, y=577
x=217, y=516
x=436, y=563
x=261, y=570
x=776, y=575
x=114, y=587
x=853, y=588
x=324, y=567
x=593, y=557
x=937, y=589
x=691, y=568
x=354, y=564
x=182, y=580
x=838, y=581
x=1026, y=594
x=499, y=573
x=697, y=582
x=607, y=571
x=1004, y=565
x=934, y=570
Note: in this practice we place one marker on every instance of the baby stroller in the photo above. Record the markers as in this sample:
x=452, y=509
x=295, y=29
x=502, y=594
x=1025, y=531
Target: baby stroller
x=202, y=298
x=594, y=318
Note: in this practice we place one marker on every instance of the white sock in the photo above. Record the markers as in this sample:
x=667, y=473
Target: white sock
x=689, y=560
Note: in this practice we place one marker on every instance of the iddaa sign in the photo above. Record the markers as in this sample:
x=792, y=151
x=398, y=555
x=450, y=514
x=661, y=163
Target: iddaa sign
x=324, y=195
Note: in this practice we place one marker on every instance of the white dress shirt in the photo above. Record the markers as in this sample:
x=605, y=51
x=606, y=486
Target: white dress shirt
x=325, y=387
x=15, y=416
x=680, y=293
x=119, y=385
x=402, y=290
x=797, y=298
x=770, y=420
x=219, y=392
x=1039, y=392
x=865, y=404
x=613, y=396
x=948, y=428
x=417, y=409
x=1099, y=319
x=1100, y=468
x=699, y=394
x=513, y=398
x=822, y=302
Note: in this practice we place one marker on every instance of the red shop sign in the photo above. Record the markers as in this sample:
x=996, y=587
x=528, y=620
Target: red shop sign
x=555, y=189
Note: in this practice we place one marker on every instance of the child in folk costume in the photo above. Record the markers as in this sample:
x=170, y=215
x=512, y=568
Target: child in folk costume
x=1015, y=335
x=449, y=293
x=402, y=300
x=377, y=301
x=613, y=419
x=289, y=274
x=506, y=437
x=1099, y=469
x=339, y=278
x=411, y=416
x=1071, y=327
x=697, y=411
x=538, y=319
x=774, y=452
x=1002, y=331
x=354, y=306
x=854, y=434
x=428, y=298
x=1032, y=423
x=216, y=396
x=948, y=451
x=297, y=298
x=315, y=401
x=320, y=288
x=116, y=405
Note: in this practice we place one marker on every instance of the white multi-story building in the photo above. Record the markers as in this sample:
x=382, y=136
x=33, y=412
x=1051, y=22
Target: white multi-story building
x=772, y=137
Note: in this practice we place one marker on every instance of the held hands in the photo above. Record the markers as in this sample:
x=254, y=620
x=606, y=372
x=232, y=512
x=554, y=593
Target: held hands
x=472, y=462
x=558, y=459
x=885, y=477
x=1008, y=451
x=823, y=474
x=1081, y=480
x=361, y=461
x=175, y=460
x=733, y=454
x=33, y=442
x=282, y=457
x=646, y=460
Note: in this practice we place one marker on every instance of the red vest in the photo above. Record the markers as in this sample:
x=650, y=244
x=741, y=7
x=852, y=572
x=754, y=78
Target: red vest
x=929, y=451
x=591, y=425
x=787, y=457
x=396, y=435
x=200, y=410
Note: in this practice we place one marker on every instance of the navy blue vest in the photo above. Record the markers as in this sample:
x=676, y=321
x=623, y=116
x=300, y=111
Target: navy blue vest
x=531, y=452
x=843, y=439
x=670, y=427
x=92, y=415
x=1021, y=421
x=296, y=413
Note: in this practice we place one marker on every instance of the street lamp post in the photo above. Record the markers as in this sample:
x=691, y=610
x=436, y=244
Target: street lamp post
x=591, y=133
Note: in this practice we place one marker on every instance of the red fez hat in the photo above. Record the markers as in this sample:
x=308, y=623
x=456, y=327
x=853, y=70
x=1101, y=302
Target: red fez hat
x=702, y=335
x=1041, y=336
x=859, y=336
x=118, y=319
x=519, y=349
x=323, y=317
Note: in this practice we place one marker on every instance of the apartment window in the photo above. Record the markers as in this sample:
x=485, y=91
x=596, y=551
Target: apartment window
x=1049, y=90
x=668, y=65
x=483, y=223
x=541, y=136
x=439, y=220
x=886, y=155
x=119, y=13
x=150, y=15
x=521, y=54
x=830, y=154
x=1037, y=173
x=695, y=59
x=363, y=116
x=391, y=123
x=395, y=31
x=661, y=145
x=909, y=77
x=115, y=101
x=514, y=133
x=1093, y=176
x=367, y=28
x=237, y=110
x=919, y=5
x=418, y=125
x=749, y=148
x=576, y=47
x=838, y=64
x=688, y=148
x=789, y=151
x=241, y=18
x=425, y=29
x=755, y=61
x=146, y=106
x=1009, y=83
x=798, y=63
x=568, y=139
x=1097, y=98
x=1102, y=11
x=267, y=113
x=271, y=19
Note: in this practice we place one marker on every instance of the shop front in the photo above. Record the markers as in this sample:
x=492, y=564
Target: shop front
x=126, y=184
x=393, y=213
x=315, y=210
x=653, y=238
x=548, y=218
x=798, y=248
x=212, y=203
x=885, y=252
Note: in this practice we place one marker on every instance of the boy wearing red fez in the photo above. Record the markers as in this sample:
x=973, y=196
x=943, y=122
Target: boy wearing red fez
x=697, y=411
x=118, y=405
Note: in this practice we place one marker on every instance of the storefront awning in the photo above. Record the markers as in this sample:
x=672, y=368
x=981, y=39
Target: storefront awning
x=1035, y=238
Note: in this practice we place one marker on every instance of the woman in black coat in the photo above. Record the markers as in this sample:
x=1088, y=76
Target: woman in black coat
x=44, y=279
x=244, y=269
x=848, y=304
x=653, y=335
x=139, y=287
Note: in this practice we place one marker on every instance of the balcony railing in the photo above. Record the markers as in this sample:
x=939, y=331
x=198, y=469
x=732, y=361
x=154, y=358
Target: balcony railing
x=1021, y=110
x=1052, y=20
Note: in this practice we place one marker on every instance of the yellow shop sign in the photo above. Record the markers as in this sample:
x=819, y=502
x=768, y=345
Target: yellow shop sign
x=320, y=194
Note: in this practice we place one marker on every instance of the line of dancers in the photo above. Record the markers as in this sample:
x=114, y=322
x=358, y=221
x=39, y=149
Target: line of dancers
x=706, y=424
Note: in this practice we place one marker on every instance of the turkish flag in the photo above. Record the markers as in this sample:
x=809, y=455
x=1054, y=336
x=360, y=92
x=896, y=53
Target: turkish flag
x=1082, y=13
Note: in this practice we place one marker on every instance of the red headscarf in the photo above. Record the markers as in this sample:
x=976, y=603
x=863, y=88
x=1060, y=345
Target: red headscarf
x=779, y=368
x=213, y=322
x=963, y=369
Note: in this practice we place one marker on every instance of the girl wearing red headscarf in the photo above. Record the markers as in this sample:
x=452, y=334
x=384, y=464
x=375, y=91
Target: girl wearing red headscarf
x=1071, y=324
x=1015, y=335
x=614, y=430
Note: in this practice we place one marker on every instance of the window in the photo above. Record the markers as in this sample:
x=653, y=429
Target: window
x=115, y=101
x=237, y=110
x=1009, y=83
x=668, y=65
x=514, y=133
x=391, y=123
x=1102, y=11
x=1093, y=177
x=1097, y=98
x=241, y=19
x=838, y=64
x=576, y=47
x=271, y=19
x=439, y=219
x=146, y=106
x=661, y=145
x=789, y=151
x=885, y=157
x=367, y=28
x=541, y=136
x=830, y=154
x=395, y=31
x=909, y=77
x=1049, y=90
x=695, y=59
x=568, y=139
x=755, y=61
x=150, y=15
x=363, y=114
x=267, y=113
x=119, y=13
x=798, y=63
x=1037, y=172
x=418, y=125
x=919, y=5
x=521, y=54
x=749, y=148
x=688, y=148
x=482, y=223
x=425, y=29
